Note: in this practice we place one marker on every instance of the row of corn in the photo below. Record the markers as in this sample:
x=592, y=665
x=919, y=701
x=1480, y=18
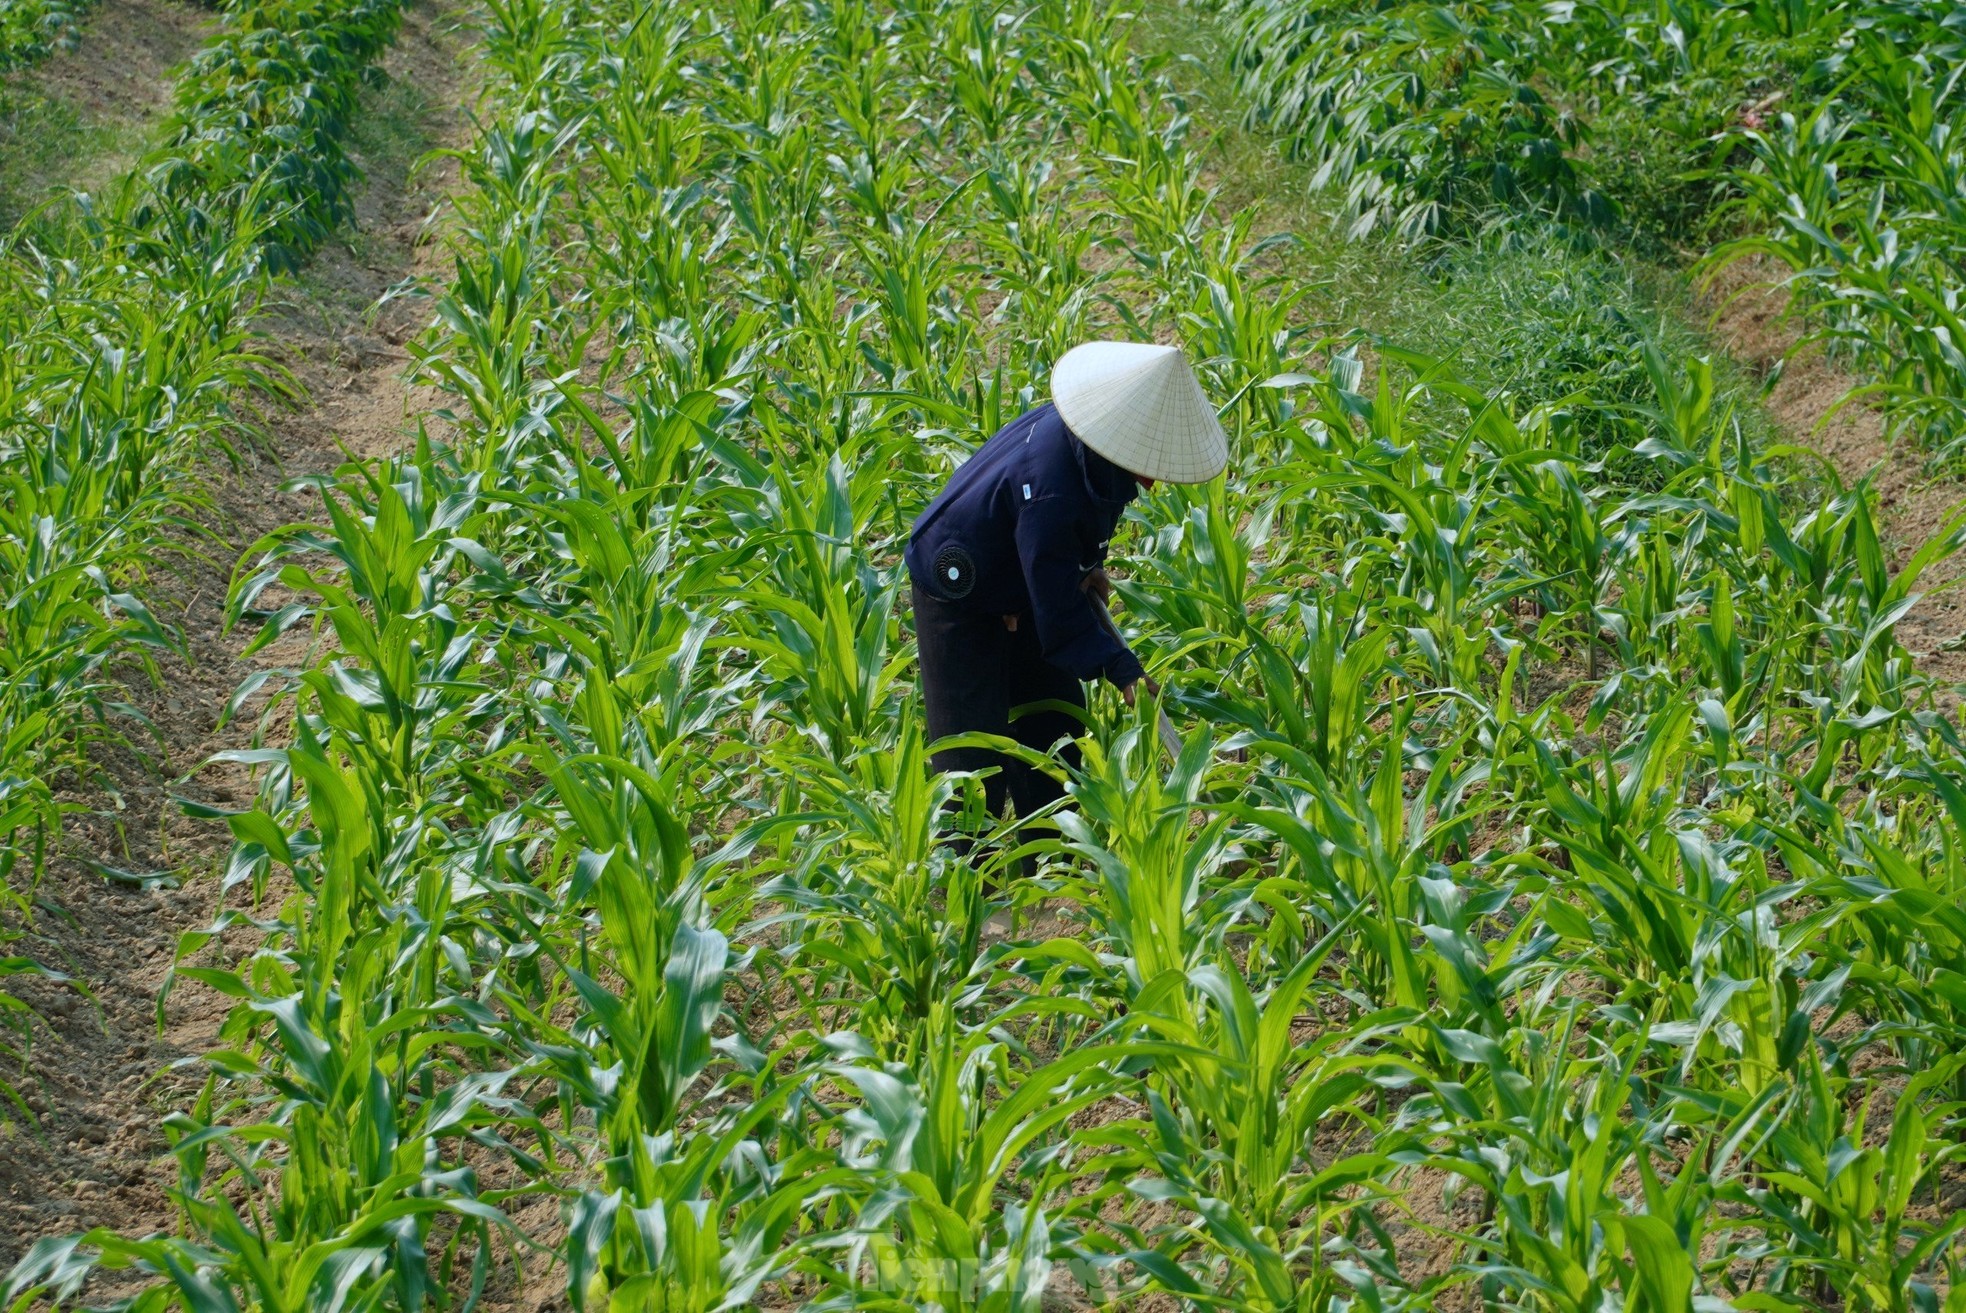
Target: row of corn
x=131, y=365
x=1555, y=903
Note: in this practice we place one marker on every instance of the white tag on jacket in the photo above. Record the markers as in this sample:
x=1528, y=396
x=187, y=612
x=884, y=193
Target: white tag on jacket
x=1027, y=492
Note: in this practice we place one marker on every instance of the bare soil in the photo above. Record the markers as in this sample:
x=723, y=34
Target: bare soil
x=103, y=1073
x=1751, y=319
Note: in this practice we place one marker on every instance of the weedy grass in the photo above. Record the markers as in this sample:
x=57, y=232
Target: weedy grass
x=1589, y=842
x=1822, y=136
x=42, y=134
x=1519, y=304
x=45, y=140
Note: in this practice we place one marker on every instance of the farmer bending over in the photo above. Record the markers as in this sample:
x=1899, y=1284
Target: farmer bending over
x=1008, y=563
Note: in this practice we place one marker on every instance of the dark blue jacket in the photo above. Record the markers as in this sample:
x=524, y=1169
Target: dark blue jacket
x=1017, y=529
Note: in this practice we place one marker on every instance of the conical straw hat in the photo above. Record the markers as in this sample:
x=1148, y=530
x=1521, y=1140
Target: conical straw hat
x=1140, y=407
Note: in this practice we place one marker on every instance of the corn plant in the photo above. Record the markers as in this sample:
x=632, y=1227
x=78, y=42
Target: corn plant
x=1562, y=830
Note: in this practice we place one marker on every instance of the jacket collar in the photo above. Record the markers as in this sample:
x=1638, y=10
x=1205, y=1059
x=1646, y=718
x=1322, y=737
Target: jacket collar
x=1104, y=481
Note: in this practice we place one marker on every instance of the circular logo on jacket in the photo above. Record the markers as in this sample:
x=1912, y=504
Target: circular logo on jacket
x=955, y=573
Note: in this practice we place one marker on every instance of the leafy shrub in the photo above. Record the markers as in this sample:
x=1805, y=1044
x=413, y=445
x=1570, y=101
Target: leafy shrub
x=262, y=117
x=1823, y=134
x=32, y=29
x=1417, y=113
x=1585, y=109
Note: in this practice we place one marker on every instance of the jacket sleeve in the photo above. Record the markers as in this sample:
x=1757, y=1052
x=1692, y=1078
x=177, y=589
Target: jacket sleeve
x=1068, y=631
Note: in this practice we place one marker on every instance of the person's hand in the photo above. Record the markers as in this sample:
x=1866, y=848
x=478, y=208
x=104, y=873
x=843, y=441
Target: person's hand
x=1153, y=689
x=1097, y=584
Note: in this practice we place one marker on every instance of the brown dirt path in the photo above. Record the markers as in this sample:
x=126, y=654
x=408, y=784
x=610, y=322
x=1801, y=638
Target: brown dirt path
x=101, y=1075
x=1750, y=320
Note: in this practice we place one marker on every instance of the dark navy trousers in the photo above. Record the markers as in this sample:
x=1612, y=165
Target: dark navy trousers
x=977, y=677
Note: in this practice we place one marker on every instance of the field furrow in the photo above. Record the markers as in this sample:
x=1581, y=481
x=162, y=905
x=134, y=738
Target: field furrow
x=128, y=871
x=101, y=1080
